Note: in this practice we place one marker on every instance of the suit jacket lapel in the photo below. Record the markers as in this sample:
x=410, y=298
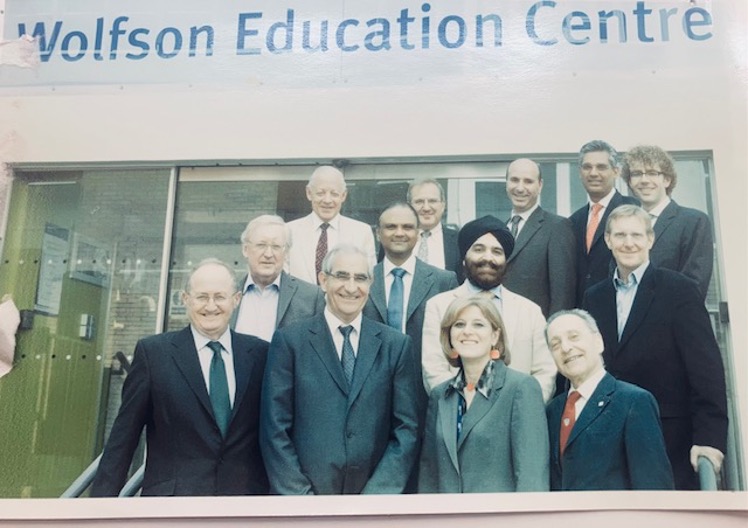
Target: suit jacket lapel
x=448, y=418
x=285, y=293
x=323, y=345
x=614, y=202
x=532, y=226
x=377, y=293
x=593, y=408
x=419, y=288
x=185, y=356
x=509, y=314
x=665, y=219
x=644, y=297
x=242, y=366
x=235, y=313
x=369, y=346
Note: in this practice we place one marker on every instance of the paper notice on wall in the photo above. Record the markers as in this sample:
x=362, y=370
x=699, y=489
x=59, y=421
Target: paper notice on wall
x=10, y=318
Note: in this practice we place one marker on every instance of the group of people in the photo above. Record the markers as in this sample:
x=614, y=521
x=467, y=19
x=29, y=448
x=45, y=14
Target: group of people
x=576, y=354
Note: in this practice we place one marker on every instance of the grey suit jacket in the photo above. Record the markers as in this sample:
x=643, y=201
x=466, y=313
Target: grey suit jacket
x=503, y=445
x=297, y=300
x=542, y=266
x=683, y=242
x=319, y=436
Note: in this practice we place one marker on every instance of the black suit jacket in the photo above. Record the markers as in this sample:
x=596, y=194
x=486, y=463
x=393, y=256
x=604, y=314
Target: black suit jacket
x=165, y=392
x=594, y=266
x=297, y=299
x=318, y=435
x=616, y=443
x=668, y=348
x=542, y=266
x=683, y=242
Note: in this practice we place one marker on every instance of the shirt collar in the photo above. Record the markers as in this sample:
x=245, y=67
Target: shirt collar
x=587, y=388
x=475, y=289
x=201, y=340
x=636, y=276
x=525, y=215
x=409, y=265
x=604, y=201
x=249, y=282
x=333, y=322
x=657, y=210
x=434, y=230
x=334, y=223
x=485, y=382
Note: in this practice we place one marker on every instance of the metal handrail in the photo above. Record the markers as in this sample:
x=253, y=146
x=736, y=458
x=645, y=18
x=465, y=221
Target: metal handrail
x=707, y=475
x=134, y=484
x=83, y=481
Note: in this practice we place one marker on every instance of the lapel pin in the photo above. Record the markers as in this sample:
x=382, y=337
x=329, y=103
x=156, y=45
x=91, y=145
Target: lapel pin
x=566, y=422
x=600, y=403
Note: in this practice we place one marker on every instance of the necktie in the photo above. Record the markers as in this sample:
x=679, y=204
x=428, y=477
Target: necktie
x=219, y=388
x=568, y=418
x=321, y=251
x=347, y=358
x=515, y=225
x=593, y=223
x=423, y=248
x=395, y=304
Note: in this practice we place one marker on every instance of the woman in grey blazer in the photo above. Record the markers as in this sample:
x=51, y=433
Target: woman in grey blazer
x=486, y=429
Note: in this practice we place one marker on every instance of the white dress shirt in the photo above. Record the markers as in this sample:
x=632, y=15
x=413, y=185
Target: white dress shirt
x=259, y=309
x=205, y=355
x=334, y=324
x=605, y=201
x=657, y=210
x=523, y=218
x=626, y=293
x=586, y=390
x=435, y=244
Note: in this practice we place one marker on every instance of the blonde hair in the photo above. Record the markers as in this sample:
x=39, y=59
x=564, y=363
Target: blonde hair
x=489, y=311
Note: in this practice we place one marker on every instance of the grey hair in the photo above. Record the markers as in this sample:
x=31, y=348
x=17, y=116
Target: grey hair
x=345, y=249
x=598, y=145
x=424, y=181
x=323, y=170
x=584, y=315
x=264, y=220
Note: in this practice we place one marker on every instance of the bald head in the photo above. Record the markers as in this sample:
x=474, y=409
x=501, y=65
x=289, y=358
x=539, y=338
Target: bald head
x=523, y=184
x=326, y=192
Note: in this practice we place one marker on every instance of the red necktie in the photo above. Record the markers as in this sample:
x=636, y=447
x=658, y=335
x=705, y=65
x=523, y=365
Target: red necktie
x=319, y=255
x=567, y=419
x=592, y=225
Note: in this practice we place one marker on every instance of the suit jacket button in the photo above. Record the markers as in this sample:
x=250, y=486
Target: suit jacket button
x=350, y=434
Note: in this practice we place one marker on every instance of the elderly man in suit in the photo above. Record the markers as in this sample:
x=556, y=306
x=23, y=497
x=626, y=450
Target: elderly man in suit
x=683, y=236
x=197, y=393
x=604, y=433
x=485, y=244
x=598, y=168
x=325, y=227
x=338, y=412
x=542, y=266
x=271, y=298
x=658, y=335
x=437, y=244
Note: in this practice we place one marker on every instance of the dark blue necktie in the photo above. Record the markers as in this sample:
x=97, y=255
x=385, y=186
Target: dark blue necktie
x=219, y=388
x=347, y=358
x=395, y=304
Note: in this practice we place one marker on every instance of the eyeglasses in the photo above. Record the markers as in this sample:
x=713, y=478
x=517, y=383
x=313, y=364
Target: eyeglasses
x=600, y=167
x=201, y=299
x=263, y=247
x=635, y=175
x=344, y=276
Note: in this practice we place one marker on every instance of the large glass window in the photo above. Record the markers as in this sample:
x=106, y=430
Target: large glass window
x=82, y=257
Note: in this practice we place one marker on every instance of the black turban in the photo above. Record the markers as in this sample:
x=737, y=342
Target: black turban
x=475, y=229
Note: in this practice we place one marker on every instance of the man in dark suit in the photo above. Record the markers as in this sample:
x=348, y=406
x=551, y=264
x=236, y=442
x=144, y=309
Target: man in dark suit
x=542, y=266
x=598, y=169
x=398, y=234
x=338, y=413
x=197, y=392
x=437, y=244
x=604, y=434
x=658, y=335
x=271, y=298
x=683, y=236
